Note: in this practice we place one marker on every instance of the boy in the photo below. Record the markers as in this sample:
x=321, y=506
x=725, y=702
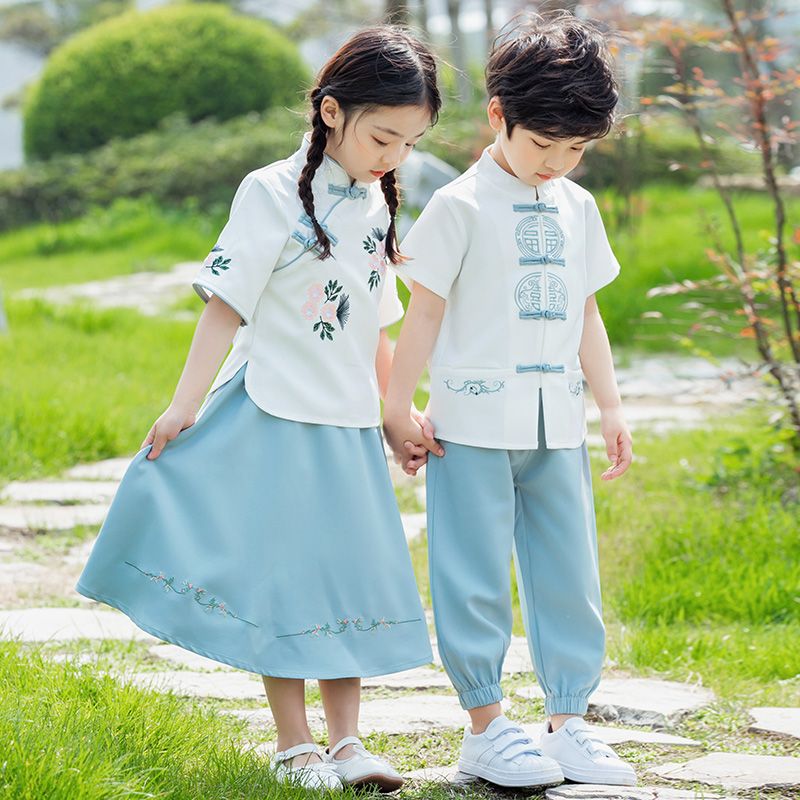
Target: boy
x=505, y=262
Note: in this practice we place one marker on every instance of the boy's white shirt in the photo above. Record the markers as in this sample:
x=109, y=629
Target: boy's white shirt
x=516, y=265
x=262, y=267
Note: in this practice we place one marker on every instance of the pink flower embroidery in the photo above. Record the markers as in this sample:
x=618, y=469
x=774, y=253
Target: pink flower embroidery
x=375, y=262
x=315, y=292
x=380, y=248
x=309, y=310
x=328, y=312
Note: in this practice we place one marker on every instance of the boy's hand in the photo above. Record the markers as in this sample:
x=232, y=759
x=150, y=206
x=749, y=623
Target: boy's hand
x=166, y=428
x=619, y=443
x=411, y=438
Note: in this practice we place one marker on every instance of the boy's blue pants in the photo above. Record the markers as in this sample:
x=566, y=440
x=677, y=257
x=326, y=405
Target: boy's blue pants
x=484, y=504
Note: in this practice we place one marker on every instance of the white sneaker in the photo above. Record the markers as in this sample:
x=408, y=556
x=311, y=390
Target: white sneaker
x=363, y=768
x=316, y=775
x=582, y=755
x=504, y=754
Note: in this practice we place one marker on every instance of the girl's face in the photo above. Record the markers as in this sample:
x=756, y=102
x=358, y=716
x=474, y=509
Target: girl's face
x=533, y=158
x=373, y=142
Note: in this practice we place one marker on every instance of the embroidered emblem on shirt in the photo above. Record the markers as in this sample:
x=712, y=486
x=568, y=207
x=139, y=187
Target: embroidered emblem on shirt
x=541, y=296
x=576, y=388
x=209, y=604
x=474, y=387
x=216, y=263
x=540, y=239
x=375, y=245
x=343, y=625
x=329, y=304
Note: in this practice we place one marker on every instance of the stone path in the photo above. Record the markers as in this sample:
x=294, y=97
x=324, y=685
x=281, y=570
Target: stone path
x=782, y=721
x=150, y=293
x=640, y=701
x=736, y=771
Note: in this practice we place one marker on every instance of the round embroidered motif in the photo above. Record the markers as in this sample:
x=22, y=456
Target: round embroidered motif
x=529, y=293
x=538, y=235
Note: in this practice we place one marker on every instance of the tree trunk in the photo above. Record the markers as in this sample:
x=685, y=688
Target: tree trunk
x=464, y=88
x=397, y=12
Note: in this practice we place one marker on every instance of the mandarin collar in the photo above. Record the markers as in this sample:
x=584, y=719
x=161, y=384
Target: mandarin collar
x=496, y=174
x=331, y=173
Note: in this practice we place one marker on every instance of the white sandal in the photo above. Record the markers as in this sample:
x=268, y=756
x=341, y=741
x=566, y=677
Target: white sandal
x=363, y=768
x=316, y=775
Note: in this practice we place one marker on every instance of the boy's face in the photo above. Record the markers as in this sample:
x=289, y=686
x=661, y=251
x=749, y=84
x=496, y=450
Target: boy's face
x=533, y=158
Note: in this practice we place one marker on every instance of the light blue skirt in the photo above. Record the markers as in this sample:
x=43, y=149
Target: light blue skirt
x=270, y=545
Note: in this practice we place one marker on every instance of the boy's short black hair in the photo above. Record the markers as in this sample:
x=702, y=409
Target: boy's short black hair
x=554, y=76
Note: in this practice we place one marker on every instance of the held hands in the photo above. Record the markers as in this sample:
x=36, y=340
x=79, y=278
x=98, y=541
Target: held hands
x=619, y=443
x=167, y=427
x=411, y=438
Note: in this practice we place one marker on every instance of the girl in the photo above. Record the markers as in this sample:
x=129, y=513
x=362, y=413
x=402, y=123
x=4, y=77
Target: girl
x=266, y=536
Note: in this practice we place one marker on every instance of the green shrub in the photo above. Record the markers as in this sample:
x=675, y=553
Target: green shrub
x=205, y=161
x=120, y=78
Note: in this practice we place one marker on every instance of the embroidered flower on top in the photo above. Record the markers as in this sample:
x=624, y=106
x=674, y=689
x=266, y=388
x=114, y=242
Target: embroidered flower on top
x=343, y=625
x=375, y=245
x=209, y=604
x=216, y=263
x=329, y=304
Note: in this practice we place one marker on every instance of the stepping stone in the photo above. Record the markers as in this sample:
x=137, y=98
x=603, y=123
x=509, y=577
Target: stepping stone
x=736, y=771
x=518, y=657
x=111, y=469
x=785, y=721
x=149, y=292
x=418, y=678
x=218, y=685
x=587, y=791
x=640, y=701
x=414, y=524
x=51, y=518
x=66, y=624
x=21, y=571
x=59, y=492
x=186, y=658
x=619, y=735
x=409, y=715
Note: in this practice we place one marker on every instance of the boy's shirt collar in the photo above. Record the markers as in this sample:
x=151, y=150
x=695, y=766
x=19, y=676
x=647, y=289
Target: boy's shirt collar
x=496, y=174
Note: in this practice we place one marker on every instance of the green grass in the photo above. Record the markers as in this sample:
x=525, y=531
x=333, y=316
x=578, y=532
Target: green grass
x=130, y=236
x=79, y=384
x=668, y=243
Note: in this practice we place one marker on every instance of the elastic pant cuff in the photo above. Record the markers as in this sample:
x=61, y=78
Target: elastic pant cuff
x=483, y=696
x=566, y=704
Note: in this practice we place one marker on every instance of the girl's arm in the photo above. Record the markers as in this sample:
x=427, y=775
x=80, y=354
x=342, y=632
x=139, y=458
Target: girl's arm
x=598, y=367
x=420, y=329
x=212, y=339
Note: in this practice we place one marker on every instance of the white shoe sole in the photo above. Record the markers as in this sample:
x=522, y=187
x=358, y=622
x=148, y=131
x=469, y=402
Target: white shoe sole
x=606, y=777
x=512, y=779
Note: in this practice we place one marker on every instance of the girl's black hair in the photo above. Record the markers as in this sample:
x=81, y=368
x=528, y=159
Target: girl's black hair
x=553, y=75
x=379, y=66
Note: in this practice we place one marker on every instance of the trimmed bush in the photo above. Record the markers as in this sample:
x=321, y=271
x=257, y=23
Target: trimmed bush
x=205, y=161
x=122, y=77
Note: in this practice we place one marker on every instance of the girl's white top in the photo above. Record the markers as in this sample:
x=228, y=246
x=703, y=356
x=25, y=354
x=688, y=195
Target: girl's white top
x=310, y=328
x=516, y=265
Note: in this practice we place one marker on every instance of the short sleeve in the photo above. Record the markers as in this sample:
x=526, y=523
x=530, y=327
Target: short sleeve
x=240, y=264
x=435, y=248
x=601, y=263
x=390, y=309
